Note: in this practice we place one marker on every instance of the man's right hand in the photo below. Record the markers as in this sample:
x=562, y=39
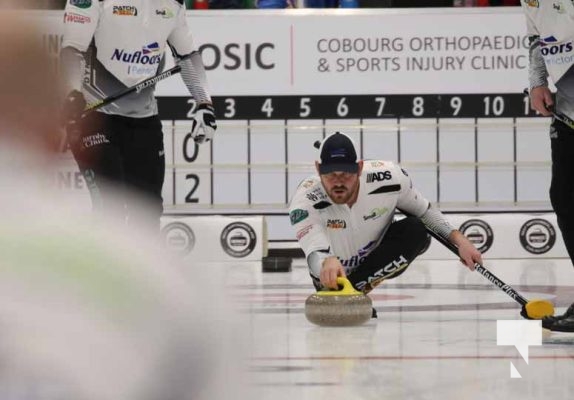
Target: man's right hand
x=203, y=125
x=541, y=100
x=331, y=269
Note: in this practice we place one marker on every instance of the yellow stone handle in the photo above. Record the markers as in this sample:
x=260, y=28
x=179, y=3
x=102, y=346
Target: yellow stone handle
x=347, y=290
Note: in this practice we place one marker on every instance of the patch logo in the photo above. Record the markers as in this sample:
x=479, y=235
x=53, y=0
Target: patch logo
x=537, y=236
x=238, y=239
x=375, y=213
x=128, y=11
x=301, y=233
x=336, y=224
x=378, y=176
x=178, y=238
x=307, y=183
x=76, y=18
x=151, y=48
x=532, y=3
x=316, y=195
x=298, y=215
x=81, y=3
x=94, y=140
x=479, y=233
x=557, y=5
x=165, y=13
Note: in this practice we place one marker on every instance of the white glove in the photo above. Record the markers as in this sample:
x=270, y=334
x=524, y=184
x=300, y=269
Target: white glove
x=203, y=125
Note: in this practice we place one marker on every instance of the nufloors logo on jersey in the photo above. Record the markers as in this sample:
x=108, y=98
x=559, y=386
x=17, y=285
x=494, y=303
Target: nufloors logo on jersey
x=520, y=334
x=556, y=53
x=360, y=257
x=141, y=62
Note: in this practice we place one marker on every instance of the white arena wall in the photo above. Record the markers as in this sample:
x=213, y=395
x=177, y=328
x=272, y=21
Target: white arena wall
x=440, y=91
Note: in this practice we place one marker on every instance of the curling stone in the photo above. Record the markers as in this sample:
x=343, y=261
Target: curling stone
x=344, y=307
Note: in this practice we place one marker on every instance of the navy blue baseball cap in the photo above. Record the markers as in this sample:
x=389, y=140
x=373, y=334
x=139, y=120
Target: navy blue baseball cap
x=337, y=154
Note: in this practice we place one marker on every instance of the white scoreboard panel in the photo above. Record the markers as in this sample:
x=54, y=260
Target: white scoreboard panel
x=464, y=149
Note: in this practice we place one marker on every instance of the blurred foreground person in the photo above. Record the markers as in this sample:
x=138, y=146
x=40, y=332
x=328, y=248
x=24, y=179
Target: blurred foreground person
x=88, y=312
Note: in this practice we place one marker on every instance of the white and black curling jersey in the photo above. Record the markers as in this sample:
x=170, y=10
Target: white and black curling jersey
x=125, y=41
x=351, y=233
x=550, y=26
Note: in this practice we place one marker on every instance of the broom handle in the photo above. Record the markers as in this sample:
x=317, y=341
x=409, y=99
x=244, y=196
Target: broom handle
x=483, y=271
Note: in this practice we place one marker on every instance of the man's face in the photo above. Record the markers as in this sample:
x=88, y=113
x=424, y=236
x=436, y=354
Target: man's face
x=341, y=186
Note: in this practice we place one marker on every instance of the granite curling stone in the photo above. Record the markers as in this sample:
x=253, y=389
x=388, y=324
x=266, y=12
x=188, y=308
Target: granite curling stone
x=344, y=307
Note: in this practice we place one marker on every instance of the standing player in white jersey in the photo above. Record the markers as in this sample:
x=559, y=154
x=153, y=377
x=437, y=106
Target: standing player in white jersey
x=110, y=45
x=344, y=219
x=550, y=27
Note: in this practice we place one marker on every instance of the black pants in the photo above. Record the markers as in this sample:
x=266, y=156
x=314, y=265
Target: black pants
x=122, y=160
x=562, y=185
x=402, y=243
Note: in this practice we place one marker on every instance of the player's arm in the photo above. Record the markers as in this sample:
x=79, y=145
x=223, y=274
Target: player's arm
x=412, y=202
x=193, y=74
x=540, y=96
x=313, y=240
x=79, y=27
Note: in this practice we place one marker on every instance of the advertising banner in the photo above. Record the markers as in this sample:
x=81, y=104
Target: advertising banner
x=353, y=51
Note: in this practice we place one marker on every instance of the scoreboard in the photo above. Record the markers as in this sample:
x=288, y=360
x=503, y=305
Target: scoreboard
x=498, y=105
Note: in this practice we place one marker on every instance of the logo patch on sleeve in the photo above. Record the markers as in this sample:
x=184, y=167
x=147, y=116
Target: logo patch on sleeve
x=81, y=3
x=298, y=215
